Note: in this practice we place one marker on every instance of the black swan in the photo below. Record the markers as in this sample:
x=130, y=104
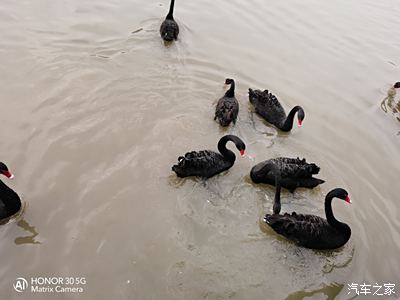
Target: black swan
x=208, y=163
x=169, y=29
x=227, y=107
x=268, y=107
x=292, y=172
x=311, y=231
x=10, y=203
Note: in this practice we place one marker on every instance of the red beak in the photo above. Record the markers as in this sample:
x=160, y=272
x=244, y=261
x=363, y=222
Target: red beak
x=8, y=174
x=242, y=152
x=348, y=199
x=300, y=122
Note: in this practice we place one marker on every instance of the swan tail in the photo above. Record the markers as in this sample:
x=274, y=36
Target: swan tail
x=305, y=171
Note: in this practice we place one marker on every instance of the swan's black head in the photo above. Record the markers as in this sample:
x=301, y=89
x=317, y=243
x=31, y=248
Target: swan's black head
x=229, y=81
x=4, y=170
x=300, y=116
x=397, y=85
x=341, y=194
x=241, y=148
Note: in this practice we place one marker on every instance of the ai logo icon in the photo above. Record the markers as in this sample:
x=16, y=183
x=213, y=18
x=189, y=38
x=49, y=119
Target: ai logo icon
x=20, y=284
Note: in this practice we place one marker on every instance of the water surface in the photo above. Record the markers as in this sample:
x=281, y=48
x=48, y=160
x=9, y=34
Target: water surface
x=95, y=110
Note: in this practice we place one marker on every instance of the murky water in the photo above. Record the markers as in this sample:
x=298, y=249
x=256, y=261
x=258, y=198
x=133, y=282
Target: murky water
x=93, y=117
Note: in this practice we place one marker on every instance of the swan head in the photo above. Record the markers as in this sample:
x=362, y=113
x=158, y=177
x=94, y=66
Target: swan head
x=341, y=194
x=4, y=170
x=397, y=85
x=229, y=81
x=241, y=147
x=300, y=117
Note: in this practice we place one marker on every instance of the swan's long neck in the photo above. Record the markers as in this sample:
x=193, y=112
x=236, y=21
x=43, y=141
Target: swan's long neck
x=228, y=154
x=231, y=91
x=170, y=15
x=342, y=227
x=10, y=198
x=288, y=124
x=277, y=200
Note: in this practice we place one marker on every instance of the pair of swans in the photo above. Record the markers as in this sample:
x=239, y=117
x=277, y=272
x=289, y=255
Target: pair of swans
x=265, y=103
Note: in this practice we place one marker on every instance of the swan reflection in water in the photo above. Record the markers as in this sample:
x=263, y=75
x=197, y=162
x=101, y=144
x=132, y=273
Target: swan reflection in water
x=330, y=291
x=29, y=239
x=391, y=102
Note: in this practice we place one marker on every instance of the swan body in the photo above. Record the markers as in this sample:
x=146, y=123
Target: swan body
x=207, y=163
x=10, y=203
x=312, y=231
x=227, y=108
x=169, y=29
x=268, y=107
x=293, y=173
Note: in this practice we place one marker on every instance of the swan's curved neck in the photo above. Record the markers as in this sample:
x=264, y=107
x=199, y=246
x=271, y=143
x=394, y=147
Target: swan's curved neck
x=228, y=154
x=330, y=217
x=10, y=198
x=170, y=15
x=231, y=91
x=288, y=124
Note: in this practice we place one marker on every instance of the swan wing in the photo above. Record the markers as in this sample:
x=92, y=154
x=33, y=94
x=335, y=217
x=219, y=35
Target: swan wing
x=227, y=110
x=297, y=227
x=295, y=167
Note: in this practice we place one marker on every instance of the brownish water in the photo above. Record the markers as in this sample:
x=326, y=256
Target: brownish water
x=93, y=116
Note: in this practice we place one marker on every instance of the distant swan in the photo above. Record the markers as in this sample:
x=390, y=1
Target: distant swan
x=312, y=231
x=292, y=172
x=268, y=107
x=169, y=29
x=227, y=107
x=10, y=203
x=208, y=163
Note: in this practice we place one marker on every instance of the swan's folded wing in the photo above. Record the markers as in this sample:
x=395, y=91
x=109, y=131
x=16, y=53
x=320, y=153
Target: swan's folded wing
x=296, y=168
x=227, y=110
x=200, y=160
x=273, y=104
x=296, y=227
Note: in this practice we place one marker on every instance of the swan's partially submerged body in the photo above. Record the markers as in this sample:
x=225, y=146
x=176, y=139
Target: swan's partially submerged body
x=227, y=108
x=169, y=29
x=269, y=108
x=312, y=231
x=293, y=173
x=207, y=163
x=203, y=163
